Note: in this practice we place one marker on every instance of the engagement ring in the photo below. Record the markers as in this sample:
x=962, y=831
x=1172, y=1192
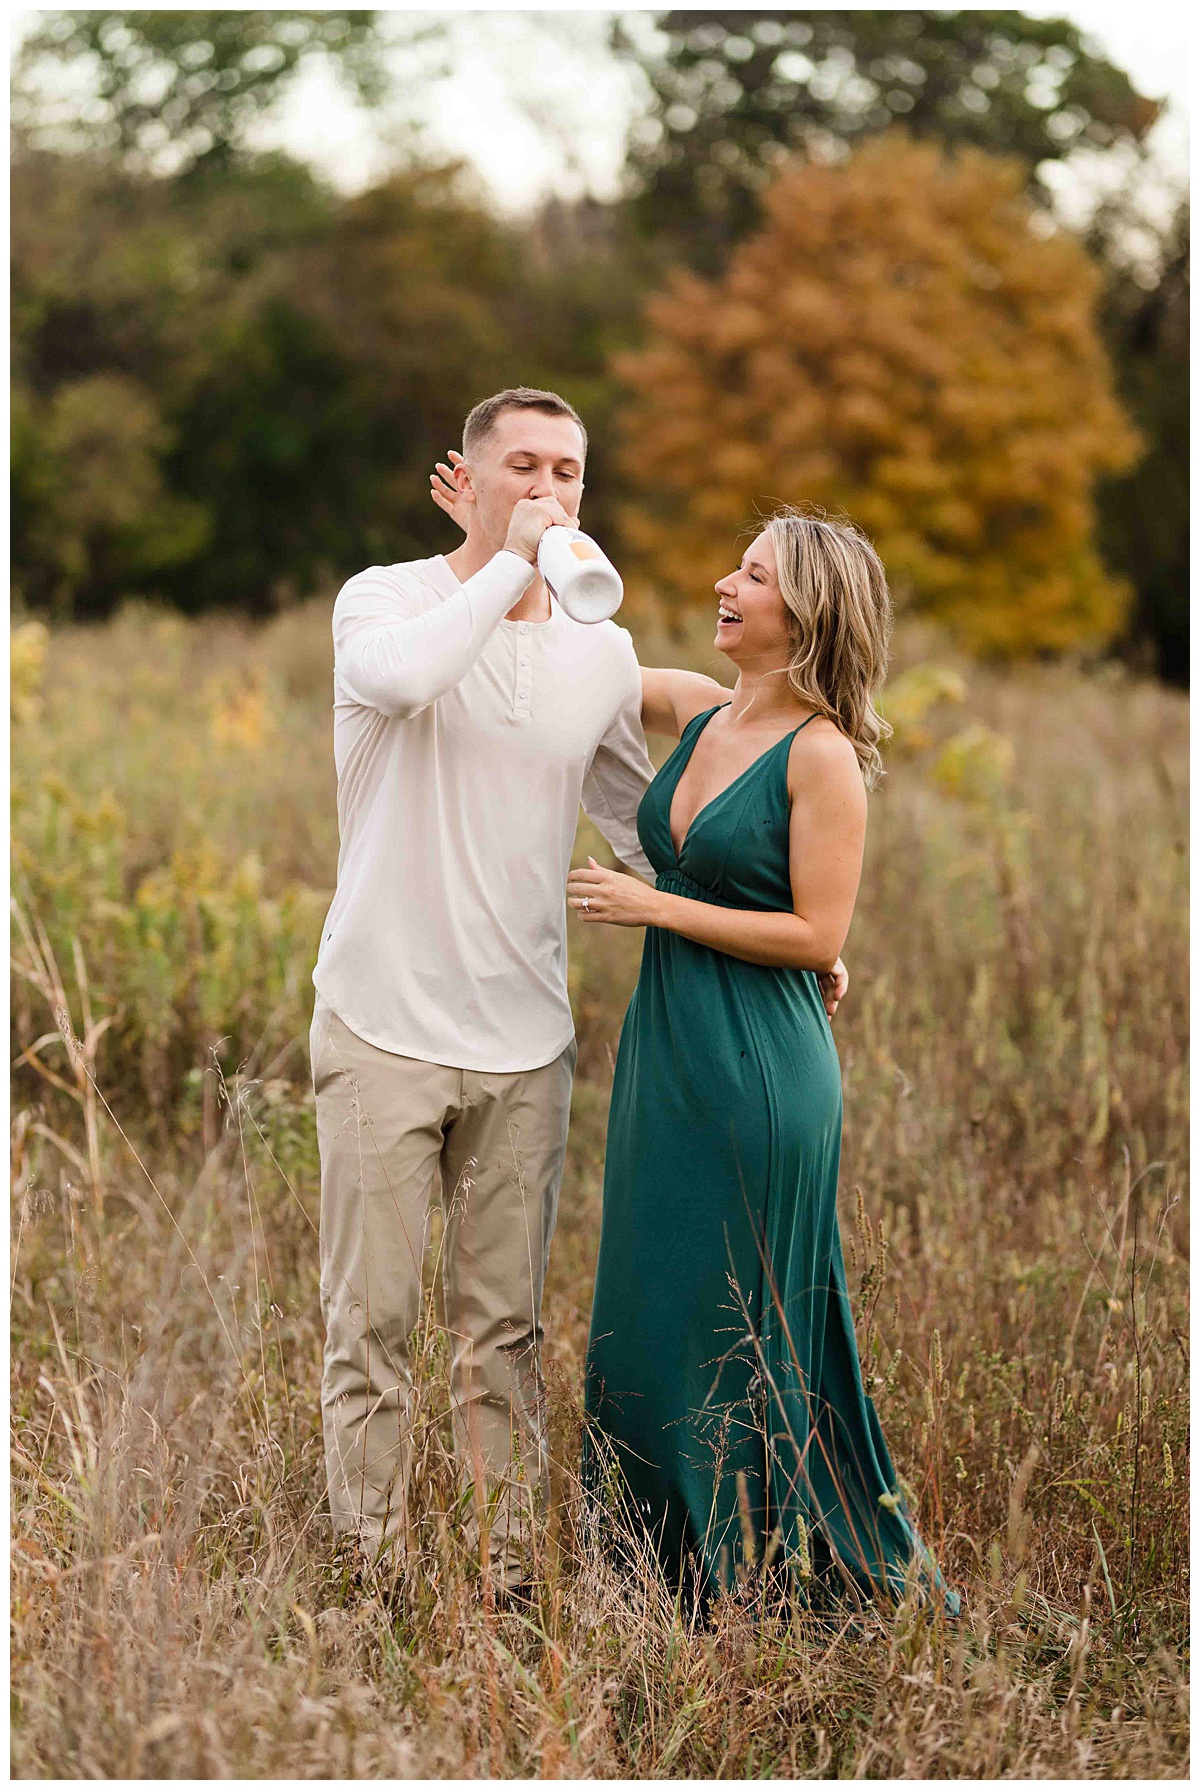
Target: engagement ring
x=587, y=901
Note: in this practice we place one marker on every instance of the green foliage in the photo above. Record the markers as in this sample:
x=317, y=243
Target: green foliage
x=183, y=88
x=247, y=380
x=734, y=92
x=1145, y=516
x=124, y=294
x=89, y=504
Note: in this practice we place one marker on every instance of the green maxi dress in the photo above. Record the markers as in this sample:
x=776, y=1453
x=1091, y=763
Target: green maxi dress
x=722, y=1341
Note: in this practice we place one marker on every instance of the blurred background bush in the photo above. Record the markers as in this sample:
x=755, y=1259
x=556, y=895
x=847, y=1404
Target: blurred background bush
x=233, y=366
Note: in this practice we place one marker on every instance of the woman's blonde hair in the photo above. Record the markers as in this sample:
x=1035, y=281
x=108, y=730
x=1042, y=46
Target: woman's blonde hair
x=839, y=624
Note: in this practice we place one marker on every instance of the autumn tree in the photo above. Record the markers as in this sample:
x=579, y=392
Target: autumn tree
x=734, y=94
x=902, y=341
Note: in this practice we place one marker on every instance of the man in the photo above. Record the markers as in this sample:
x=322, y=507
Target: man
x=471, y=717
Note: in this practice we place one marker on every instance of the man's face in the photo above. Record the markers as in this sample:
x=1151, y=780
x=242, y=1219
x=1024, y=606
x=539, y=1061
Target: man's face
x=527, y=454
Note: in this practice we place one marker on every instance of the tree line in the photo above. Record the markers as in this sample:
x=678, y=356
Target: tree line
x=229, y=380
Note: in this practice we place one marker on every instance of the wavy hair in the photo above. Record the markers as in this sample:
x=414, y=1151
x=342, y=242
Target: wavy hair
x=839, y=624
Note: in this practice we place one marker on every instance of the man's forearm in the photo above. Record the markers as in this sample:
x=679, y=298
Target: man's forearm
x=399, y=665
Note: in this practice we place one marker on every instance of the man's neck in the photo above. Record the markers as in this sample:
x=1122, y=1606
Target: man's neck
x=474, y=554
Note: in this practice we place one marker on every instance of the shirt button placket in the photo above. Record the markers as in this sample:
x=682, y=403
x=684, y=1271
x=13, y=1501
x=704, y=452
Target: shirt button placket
x=524, y=673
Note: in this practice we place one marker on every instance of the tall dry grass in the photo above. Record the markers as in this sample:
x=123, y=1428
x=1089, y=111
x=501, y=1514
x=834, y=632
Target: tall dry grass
x=1014, y=1056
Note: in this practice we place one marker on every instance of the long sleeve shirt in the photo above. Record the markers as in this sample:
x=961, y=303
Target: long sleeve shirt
x=464, y=745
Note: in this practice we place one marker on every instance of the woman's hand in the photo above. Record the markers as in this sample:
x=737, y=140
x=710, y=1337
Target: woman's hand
x=446, y=494
x=609, y=895
x=620, y=900
x=833, y=985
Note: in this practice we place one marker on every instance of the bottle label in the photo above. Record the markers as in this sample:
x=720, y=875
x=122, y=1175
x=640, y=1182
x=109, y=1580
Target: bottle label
x=585, y=550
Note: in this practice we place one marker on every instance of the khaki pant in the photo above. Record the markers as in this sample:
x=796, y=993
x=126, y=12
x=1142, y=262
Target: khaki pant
x=391, y=1129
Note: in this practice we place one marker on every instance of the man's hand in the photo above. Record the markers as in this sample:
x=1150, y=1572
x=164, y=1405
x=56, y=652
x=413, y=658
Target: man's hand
x=833, y=985
x=446, y=494
x=531, y=517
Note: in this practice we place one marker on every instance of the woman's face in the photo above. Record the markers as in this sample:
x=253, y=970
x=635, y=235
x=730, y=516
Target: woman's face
x=752, y=616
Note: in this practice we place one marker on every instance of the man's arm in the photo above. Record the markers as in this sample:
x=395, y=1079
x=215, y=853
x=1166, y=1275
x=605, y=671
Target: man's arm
x=620, y=774
x=399, y=663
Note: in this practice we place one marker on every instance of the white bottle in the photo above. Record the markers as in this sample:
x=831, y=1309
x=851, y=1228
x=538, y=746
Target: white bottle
x=584, y=579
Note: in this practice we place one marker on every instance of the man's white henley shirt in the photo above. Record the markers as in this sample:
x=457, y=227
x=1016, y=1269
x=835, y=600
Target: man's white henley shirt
x=464, y=744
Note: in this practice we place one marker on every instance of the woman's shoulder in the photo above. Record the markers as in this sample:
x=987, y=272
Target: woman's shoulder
x=696, y=707
x=821, y=750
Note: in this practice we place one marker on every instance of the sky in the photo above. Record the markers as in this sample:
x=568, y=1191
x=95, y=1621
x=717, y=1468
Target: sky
x=536, y=104
x=554, y=61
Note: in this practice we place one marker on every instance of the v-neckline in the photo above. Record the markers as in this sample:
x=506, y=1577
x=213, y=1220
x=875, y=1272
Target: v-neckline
x=678, y=850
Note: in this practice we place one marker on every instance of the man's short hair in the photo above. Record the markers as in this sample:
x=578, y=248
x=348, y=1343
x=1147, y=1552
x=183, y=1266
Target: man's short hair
x=483, y=419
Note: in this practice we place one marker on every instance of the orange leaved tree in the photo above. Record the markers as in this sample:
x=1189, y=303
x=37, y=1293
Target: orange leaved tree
x=907, y=342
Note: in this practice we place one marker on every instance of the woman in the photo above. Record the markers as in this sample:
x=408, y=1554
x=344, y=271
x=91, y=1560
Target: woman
x=723, y=1375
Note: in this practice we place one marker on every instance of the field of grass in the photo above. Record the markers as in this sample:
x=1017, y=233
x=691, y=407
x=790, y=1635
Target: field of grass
x=1014, y=1056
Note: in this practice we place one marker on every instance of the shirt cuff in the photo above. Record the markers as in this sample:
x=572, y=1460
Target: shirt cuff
x=496, y=587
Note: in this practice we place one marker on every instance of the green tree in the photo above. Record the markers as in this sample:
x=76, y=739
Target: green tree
x=735, y=93
x=1144, y=515
x=330, y=380
x=279, y=366
x=90, y=505
x=177, y=90
x=282, y=366
x=898, y=342
x=122, y=287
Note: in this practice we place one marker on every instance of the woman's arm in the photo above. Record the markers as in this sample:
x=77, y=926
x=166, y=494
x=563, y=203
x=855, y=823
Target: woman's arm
x=826, y=837
x=670, y=699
